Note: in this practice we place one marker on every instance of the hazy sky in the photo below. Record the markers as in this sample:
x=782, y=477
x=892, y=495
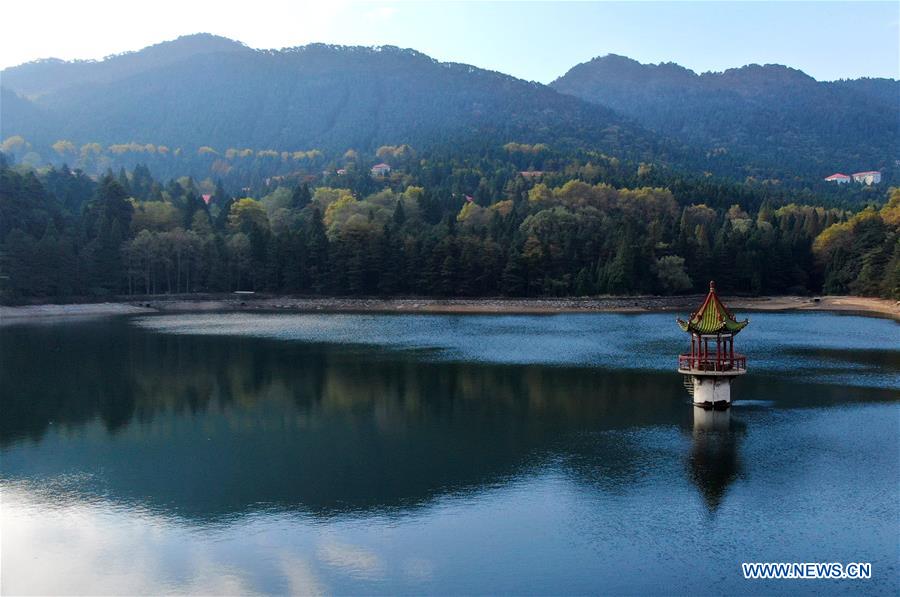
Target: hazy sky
x=532, y=40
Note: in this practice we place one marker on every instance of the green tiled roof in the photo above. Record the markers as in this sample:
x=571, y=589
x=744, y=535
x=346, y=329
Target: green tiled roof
x=712, y=317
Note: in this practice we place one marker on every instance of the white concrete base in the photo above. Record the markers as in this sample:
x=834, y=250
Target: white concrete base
x=712, y=391
x=707, y=419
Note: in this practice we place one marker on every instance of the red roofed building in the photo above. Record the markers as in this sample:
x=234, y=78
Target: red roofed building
x=838, y=178
x=868, y=177
x=207, y=198
x=381, y=169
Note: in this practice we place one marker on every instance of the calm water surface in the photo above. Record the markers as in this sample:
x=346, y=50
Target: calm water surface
x=274, y=453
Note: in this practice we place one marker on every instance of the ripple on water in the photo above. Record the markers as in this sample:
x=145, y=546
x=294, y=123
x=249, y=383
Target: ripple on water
x=814, y=347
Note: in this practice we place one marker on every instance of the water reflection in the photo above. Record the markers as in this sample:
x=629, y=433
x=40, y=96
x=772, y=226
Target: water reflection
x=714, y=461
x=157, y=419
x=235, y=464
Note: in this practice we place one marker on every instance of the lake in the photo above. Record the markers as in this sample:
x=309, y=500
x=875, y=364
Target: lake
x=398, y=454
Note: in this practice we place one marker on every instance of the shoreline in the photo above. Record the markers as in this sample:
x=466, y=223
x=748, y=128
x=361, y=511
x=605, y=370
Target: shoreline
x=865, y=306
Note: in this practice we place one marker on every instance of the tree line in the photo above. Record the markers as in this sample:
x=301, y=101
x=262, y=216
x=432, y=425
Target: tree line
x=64, y=234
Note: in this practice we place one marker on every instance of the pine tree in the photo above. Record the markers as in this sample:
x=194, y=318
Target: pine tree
x=301, y=196
x=123, y=181
x=512, y=281
x=317, y=252
x=399, y=216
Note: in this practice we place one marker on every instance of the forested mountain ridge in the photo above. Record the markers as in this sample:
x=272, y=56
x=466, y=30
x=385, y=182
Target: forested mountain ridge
x=329, y=98
x=40, y=77
x=769, y=120
x=203, y=94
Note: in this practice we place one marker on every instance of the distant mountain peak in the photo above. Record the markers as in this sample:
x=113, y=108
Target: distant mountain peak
x=203, y=42
x=629, y=69
x=184, y=46
x=205, y=35
x=615, y=67
x=48, y=75
x=194, y=43
x=618, y=60
x=341, y=50
x=614, y=58
x=767, y=116
x=764, y=74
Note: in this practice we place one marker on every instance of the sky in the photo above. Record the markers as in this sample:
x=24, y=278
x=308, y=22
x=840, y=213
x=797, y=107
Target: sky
x=536, y=41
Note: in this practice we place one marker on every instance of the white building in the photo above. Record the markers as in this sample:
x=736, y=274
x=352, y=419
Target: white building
x=870, y=177
x=838, y=178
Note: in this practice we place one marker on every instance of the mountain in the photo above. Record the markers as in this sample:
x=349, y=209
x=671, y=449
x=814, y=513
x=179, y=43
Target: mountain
x=34, y=79
x=768, y=119
x=208, y=91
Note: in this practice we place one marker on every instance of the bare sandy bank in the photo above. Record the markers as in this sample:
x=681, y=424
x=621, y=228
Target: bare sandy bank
x=50, y=312
x=684, y=304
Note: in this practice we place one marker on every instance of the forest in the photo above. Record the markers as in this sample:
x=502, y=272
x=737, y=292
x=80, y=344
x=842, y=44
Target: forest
x=437, y=226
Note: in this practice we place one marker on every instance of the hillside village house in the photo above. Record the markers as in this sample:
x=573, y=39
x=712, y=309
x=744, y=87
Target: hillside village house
x=838, y=178
x=870, y=177
x=381, y=169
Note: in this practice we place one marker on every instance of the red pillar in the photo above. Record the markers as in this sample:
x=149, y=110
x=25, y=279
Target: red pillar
x=696, y=351
x=692, y=351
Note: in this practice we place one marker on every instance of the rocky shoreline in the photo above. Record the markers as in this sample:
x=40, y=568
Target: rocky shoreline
x=256, y=302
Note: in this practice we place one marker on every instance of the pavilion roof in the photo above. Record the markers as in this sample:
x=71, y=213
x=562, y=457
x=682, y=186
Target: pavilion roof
x=713, y=317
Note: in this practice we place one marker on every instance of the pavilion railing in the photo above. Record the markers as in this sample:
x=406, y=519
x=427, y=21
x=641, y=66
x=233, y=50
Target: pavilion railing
x=722, y=363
